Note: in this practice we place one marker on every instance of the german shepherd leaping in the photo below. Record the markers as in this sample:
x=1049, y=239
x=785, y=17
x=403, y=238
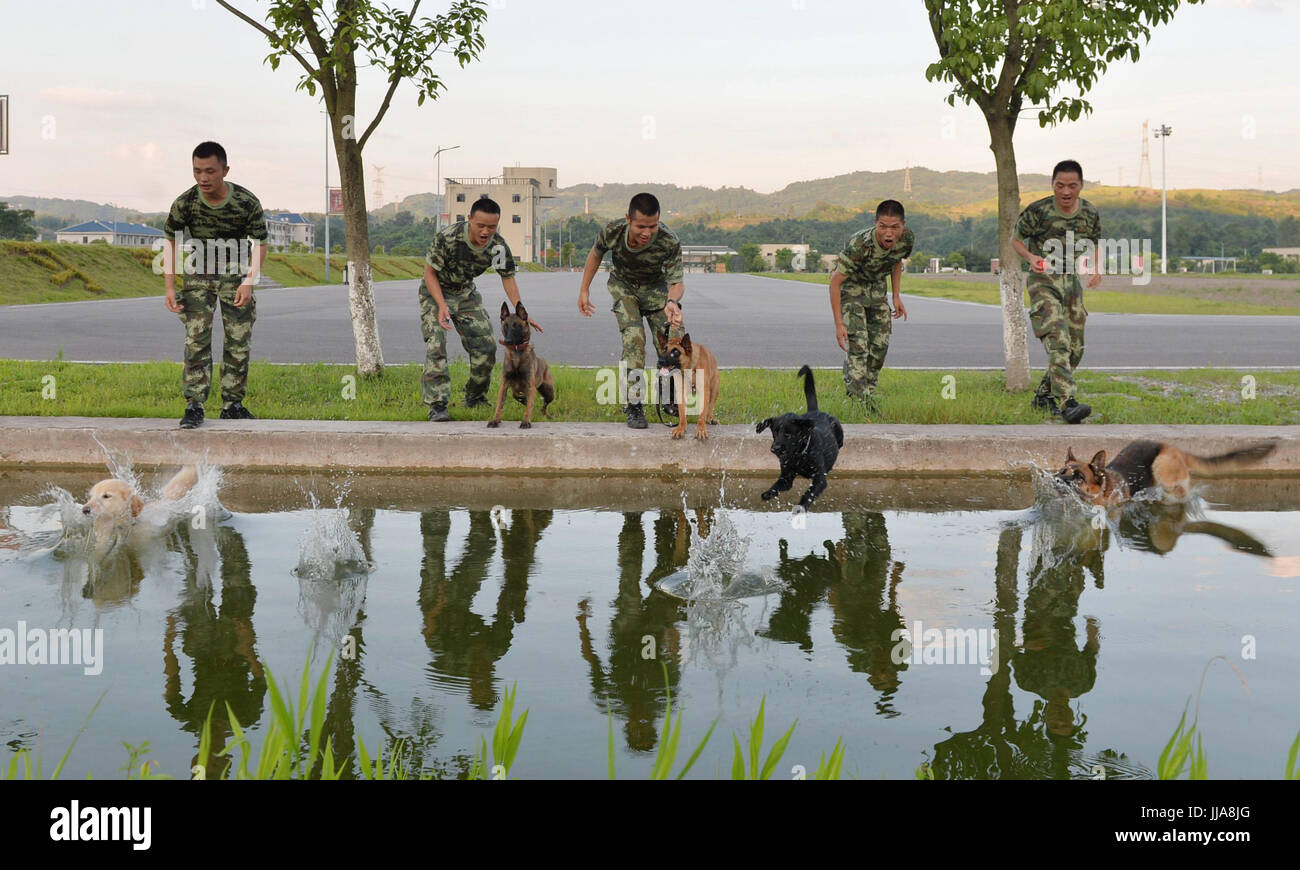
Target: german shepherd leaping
x=1145, y=464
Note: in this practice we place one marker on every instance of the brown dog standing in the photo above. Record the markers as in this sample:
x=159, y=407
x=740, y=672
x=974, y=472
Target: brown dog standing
x=699, y=370
x=523, y=372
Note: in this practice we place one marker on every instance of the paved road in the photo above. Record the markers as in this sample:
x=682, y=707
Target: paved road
x=744, y=320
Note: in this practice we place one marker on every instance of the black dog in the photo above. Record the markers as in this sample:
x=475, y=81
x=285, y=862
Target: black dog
x=806, y=444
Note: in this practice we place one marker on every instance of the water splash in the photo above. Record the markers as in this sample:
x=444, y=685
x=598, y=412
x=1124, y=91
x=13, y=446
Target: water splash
x=332, y=571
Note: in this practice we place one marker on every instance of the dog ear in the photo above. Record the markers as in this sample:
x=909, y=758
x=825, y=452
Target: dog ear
x=763, y=424
x=521, y=311
x=505, y=310
x=1098, y=463
x=686, y=342
x=137, y=505
x=1069, y=455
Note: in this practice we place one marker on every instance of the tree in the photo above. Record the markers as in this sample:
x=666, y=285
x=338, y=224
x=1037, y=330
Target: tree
x=388, y=39
x=784, y=259
x=15, y=223
x=1041, y=46
x=956, y=258
x=753, y=260
x=403, y=219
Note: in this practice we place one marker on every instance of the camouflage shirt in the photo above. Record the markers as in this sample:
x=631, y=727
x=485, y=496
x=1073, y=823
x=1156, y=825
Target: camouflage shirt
x=866, y=265
x=239, y=217
x=658, y=263
x=457, y=263
x=1041, y=221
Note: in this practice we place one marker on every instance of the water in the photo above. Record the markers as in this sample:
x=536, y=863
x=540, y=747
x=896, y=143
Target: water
x=451, y=592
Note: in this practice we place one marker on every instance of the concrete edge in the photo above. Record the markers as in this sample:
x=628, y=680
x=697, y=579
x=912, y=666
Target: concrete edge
x=596, y=448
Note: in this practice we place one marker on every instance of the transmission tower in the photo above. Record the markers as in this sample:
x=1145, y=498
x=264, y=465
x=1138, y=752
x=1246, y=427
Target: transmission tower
x=1144, y=169
x=379, y=185
x=907, y=179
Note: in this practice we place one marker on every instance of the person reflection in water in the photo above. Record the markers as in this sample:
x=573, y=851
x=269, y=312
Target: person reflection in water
x=465, y=646
x=859, y=579
x=643, y=622
x=219, y=641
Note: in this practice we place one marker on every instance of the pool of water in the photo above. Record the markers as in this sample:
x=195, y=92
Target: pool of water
x=1045, y=641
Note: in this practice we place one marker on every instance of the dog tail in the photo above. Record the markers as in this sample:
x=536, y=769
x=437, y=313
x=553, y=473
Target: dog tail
x=1232, y=459
x=182, y=482
x=809, y=388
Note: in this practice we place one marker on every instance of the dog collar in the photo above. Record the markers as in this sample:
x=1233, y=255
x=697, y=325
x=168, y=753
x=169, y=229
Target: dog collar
x=520, y=346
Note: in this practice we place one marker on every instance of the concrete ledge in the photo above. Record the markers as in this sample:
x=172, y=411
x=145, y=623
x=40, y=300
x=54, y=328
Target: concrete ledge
x=594, y=448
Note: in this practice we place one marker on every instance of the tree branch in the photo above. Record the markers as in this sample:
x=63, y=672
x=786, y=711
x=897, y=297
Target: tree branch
x=395, y=80
x=270, y=35
x=977, y=94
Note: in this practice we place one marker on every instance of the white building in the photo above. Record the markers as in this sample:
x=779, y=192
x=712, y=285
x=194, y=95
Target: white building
x=112, y=232
x=286, y=228
x=768, y=252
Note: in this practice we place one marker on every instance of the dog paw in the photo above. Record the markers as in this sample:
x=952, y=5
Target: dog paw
x=492, y=424
x=525, y=425
x=769, y=495
x=701, y=435
x=678, y=433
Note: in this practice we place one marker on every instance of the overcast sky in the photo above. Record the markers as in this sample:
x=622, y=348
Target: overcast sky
x=108, y=99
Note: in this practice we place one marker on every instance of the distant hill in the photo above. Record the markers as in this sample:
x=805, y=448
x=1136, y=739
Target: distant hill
x=72, y=209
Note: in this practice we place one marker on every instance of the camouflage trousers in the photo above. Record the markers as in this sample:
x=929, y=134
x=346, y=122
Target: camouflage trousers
x=1057, y=315
x=630, y=305
x=475, y=329
x=869, y=323
x=199, y=299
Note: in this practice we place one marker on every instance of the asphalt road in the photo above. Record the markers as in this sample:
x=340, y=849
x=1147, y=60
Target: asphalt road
x=745, y=320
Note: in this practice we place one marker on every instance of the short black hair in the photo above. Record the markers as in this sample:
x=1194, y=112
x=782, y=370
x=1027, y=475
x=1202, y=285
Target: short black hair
x=643, y=204
x=891, y=208
x=210, y=149
x=1068, y=166
x=486, y=204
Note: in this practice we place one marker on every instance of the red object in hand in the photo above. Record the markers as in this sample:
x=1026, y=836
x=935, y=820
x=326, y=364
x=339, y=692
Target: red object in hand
x=1040, y=265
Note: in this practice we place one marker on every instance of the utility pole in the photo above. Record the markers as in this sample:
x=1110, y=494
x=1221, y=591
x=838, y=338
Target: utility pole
x=1162, y=133
x=442, y=197
x=327, y=196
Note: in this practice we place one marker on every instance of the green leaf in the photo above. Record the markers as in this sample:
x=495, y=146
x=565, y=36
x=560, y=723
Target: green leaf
x=696, y=754
x=778, y=749
x=1291, y=772
x=737, y=761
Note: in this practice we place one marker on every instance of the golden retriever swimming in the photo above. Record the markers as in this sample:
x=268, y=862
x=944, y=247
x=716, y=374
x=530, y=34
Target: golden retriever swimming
x=114, y=502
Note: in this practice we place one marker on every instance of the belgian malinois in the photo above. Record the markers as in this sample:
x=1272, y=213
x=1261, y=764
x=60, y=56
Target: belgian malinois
x=699, y=370
x=523, y=372
x=1144, y=464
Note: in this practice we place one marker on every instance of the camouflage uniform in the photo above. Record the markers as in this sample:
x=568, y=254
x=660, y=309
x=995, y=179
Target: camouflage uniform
x=1056, y=300
x=457, y=263
x=639, y=282
x=206, y=285
x=864, y=306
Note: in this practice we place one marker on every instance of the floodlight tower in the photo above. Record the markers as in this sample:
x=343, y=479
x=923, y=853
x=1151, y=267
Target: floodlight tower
x=1162, y=133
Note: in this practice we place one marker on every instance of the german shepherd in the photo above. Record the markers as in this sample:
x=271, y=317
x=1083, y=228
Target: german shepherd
x=523, y=372
x=699, y=370
x=806, y=444
x=1144, y=464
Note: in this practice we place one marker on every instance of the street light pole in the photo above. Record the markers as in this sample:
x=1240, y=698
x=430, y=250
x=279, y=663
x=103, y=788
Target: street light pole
x=1162, y=133
x=437, y=222
x=327, y=196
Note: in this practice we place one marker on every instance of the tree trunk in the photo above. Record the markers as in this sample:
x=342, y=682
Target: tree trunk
x=1015, y=324
x=361, y=300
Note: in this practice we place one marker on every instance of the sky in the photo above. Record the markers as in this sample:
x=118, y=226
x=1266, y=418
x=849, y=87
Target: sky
x=108, y=99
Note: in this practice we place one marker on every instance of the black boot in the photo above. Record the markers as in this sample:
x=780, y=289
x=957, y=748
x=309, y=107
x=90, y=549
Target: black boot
x=236, y=411
x=193, y=416
x=1073, y=412
x=438, y=413
x=636, y=416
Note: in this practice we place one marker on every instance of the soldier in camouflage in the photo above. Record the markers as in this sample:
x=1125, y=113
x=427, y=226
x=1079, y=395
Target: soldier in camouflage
x=448, y=297
x=222, y=232
x=645, y=281
x=863, y=319
x=1049, y=234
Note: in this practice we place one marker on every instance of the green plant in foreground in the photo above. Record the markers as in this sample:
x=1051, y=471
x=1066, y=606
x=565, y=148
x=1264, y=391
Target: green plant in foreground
x=24, y=756
x=506, y=738
x=756, y=745
x=1291, y=771
x=1178, y=751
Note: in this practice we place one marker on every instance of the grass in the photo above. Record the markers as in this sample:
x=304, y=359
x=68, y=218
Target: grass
x=317, y=392
x=36, y=272
x=1097, y=301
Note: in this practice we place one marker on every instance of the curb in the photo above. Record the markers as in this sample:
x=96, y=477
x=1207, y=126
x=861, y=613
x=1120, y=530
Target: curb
x=596, y=448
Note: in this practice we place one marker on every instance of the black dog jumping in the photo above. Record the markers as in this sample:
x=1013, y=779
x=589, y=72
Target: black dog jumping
x=807, y=444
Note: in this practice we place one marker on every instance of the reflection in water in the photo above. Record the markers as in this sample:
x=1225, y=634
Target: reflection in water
x=465, y=646
x=859, y=579
x=218, y=640
x=632, y=684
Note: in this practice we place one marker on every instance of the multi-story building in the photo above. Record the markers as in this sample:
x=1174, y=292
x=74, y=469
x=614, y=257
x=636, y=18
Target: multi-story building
x=519, y=191
x=768, y=252
x=285, y=228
